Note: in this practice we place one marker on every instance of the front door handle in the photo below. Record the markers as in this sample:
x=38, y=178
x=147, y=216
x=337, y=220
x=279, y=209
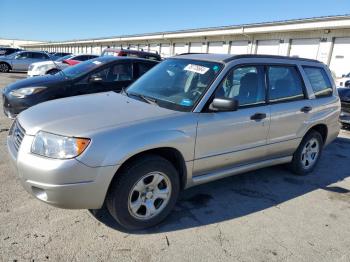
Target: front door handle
x=306, y=109
x=258, y=116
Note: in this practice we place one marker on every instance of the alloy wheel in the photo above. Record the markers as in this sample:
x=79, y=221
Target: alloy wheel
x=310, y=153
x=149, y=196
x=3, y=68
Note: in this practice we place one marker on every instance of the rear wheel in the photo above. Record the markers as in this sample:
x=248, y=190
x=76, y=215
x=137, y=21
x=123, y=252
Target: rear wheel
x=144, y=193
x=4, y=68
x=308, y=153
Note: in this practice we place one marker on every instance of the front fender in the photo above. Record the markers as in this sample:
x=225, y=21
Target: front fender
x=116, y=146
x=179, y=140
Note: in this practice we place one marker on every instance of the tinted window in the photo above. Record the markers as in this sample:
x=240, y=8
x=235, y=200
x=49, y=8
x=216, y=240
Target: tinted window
x=120, y=72
x=82, y=68
x=244, y=84
x=23, y=55
x=319, y=81
x=81, y=58
x=285, y=84
x=152, y=57
x=143, y=68
x=39, y=56
x=102, y=73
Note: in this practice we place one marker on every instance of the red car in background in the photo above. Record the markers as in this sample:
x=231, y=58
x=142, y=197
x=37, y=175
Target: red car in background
x=131, y=53
x=77, y=59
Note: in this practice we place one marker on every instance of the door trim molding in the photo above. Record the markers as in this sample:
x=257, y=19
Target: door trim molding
x=222, y=173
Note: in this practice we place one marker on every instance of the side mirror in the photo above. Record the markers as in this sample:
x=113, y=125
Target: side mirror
x=224, y=104
x=95, y=79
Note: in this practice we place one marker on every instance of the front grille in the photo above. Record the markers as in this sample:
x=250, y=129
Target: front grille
x=17, y=132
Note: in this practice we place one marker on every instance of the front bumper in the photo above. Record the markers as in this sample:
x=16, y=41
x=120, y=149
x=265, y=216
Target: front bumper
x=61, y=183
x=13, y=106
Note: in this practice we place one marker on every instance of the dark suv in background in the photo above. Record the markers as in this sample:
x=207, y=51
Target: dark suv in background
x=101, y=74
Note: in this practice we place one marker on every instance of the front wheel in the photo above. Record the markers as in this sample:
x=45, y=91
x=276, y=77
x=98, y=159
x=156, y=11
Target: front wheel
x=4, y=68
x=308, y=153
x=144, y=193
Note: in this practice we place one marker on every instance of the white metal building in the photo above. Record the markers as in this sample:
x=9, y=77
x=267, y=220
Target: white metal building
x=16, y=42
x=324, y=38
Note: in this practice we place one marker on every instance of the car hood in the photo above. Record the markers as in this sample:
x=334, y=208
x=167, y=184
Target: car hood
x=5, y=58
x=45, y=80
x=81, y=115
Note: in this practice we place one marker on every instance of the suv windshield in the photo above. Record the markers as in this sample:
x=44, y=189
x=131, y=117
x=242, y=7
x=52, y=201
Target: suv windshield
x=82, y=68
x=176, y=84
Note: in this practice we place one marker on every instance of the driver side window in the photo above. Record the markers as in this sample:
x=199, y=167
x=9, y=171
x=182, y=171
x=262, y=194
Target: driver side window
x=244, y=84
x=22, y=55
x=120, y=72
x=102, y=74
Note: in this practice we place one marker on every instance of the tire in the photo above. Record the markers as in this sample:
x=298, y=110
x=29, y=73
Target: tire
x=136, y=200
x=345, y=126
x=52, y=71
x=4, y=68
x=308, y=154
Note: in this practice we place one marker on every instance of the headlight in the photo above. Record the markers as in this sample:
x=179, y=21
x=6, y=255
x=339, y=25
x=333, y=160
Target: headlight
x=56, y=146
x=42, y=67
x=26, y=91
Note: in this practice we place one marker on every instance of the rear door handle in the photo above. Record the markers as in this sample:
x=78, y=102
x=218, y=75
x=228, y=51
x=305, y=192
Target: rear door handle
x=258, y=116
x=306, y=109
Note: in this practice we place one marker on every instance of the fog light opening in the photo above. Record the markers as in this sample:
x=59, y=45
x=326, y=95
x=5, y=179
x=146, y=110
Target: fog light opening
x=39, y=193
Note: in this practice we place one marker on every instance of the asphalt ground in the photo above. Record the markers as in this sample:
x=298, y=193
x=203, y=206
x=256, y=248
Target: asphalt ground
x=266, y=215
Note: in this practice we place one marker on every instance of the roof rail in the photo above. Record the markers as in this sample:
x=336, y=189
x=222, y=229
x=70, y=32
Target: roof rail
x=191, y=54
x=270, y=56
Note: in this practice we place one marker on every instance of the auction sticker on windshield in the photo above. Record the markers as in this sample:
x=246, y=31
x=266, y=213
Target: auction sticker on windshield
x=197, y=69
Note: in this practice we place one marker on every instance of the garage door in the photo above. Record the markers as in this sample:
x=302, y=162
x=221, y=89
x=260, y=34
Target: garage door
x=340, y=61
x=180, y=48
x=96, y=50
x=239, y=47
x=143, y=48
x=197, y=48
x=268, y=47
x=133, y=47
x=306, y=48
x=165, y=50
x=216, y=48
x=154, y=48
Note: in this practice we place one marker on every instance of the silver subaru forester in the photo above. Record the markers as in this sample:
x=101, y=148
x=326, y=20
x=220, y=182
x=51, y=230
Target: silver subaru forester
x=192, y=119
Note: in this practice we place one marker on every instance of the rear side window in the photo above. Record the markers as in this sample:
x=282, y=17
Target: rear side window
x=143, y=68
x=285, y=84
x=39, y=56
x=81, y=58
x=319, y=81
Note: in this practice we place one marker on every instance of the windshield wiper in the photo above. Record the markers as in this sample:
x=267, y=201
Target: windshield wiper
x=123, y=91
x=147, y=99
